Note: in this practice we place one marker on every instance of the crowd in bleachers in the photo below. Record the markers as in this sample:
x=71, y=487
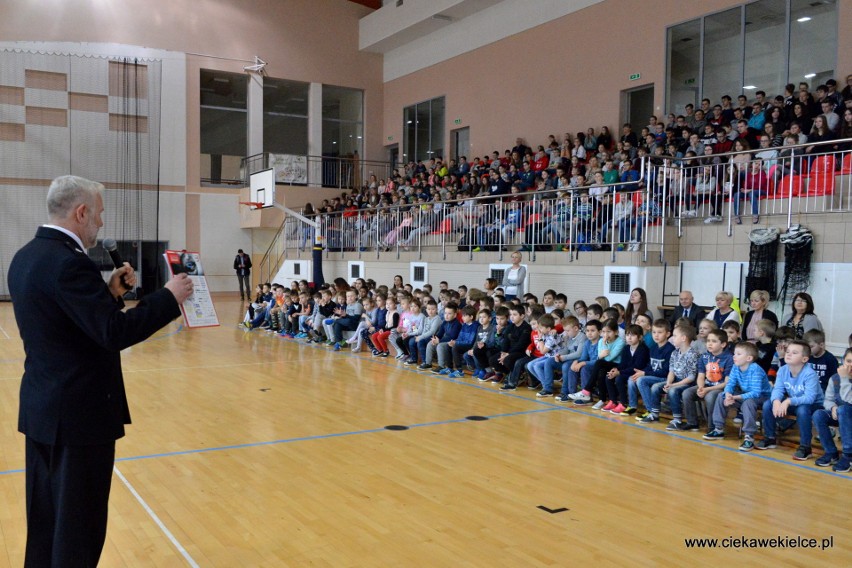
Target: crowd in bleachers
x=569, y=190
x=702, y=364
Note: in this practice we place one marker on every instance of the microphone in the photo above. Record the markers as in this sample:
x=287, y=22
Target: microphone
x=112, y=248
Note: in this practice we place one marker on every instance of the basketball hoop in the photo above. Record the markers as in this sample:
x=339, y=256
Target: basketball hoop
x=252, y=204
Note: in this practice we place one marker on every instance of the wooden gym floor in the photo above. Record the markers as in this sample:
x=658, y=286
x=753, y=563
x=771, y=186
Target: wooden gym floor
x=250, y=450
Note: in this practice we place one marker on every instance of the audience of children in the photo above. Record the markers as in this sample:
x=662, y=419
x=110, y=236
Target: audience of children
x=701, y=372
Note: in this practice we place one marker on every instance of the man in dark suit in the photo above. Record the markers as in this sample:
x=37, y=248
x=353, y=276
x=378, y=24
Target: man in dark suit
x=242, y=264
x=72, y=403
x=686, y=308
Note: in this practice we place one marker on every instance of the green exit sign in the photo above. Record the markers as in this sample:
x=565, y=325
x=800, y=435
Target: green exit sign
x=457, y=121
x=689, y=81
x=635, y=76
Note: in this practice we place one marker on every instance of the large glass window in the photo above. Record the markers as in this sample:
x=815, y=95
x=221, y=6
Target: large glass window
x=224, y=125
x=723, y=55
x=285, y=116
x=684, y=58
x=813, y=41
x=342, y=121
x=761, y=45
x=765, y=46
x=424, y=130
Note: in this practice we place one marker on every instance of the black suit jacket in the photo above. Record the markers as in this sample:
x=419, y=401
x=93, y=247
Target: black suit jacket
x=696, y=314
x=246, y=269
x=73, y=331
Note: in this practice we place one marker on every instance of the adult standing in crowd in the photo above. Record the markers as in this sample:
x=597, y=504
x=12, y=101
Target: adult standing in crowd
x=73, y=405
x=513, y=278
x=242, y=264
x=801, y=316
x=758, y=300
x=687, y=308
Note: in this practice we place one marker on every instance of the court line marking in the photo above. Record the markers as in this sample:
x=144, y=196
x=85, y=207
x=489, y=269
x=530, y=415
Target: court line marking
x=157, y=520
x=4, y=332
x=545, y=402
x=549, y=406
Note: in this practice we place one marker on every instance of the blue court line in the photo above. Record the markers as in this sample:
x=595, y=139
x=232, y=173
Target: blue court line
x=553, y=405
x=306, y=438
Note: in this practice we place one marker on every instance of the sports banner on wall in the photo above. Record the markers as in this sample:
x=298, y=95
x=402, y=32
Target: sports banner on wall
x=289, y=168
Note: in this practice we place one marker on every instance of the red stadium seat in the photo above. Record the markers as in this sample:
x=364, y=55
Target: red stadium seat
x=821, y=180
x=783, y=188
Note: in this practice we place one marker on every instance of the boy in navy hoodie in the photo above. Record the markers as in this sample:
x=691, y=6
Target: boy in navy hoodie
x=455, y=349
x=657, y=370
x=448, y=331
x=796, y=391
x=837, y=411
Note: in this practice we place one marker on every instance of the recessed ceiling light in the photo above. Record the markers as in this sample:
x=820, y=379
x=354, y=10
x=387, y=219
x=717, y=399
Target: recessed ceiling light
x=804, y=19
x=810, y=75
x=749, y=87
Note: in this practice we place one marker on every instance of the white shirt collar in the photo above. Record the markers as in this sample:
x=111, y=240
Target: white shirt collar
x=70, y=234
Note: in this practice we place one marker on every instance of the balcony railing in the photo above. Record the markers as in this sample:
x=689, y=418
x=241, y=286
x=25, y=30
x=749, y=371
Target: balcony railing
x=629, y=217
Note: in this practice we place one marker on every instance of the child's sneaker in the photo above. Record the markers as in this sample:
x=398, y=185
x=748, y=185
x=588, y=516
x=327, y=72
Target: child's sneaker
x=803, y=453
x=826, y=460
x=843, y=464
x=456, y=374
x=384, y=354
x=714, y=434
x=534, y=385
x=375, y=352
x=596, y=406
x=543, y=393
x=641, y=417
x=738, y=419
x=650, y=417
x=337, y=347
x=617, y=409
x=507, y=387
x=674, y=425
x=497, y=378
x=410, y=362
x=747, y=445
x=580, y=395
x=609, y=406
x=561, y=398
x=684, y=427
x=400, y=356
x=483, y=377
x=424, y=366
x=629, y=411
x=766, y=444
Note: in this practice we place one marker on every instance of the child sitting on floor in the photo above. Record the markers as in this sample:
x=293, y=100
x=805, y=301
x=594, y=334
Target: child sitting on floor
x=796, y=391
x=836, y=411
x=747, y=389
x=714, y=366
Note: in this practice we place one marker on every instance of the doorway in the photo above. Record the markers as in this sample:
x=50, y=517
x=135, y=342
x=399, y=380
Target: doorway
x=393, y=156
x=637, y=105
x=459, y=142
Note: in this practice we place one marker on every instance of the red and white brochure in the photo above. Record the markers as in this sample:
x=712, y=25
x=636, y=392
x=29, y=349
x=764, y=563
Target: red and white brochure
x=198, y=310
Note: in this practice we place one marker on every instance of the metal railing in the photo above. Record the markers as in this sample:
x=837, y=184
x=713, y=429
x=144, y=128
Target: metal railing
x=780, y=181
x=628, y=216
x=593, y=218
x=325, y=171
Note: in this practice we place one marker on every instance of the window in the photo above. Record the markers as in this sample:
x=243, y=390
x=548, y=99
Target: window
x=342, y=121
x=423, y=125
x=684, y=57
x=224, y=125
x=762, y=45
x=813, y=41
x=285, y=116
